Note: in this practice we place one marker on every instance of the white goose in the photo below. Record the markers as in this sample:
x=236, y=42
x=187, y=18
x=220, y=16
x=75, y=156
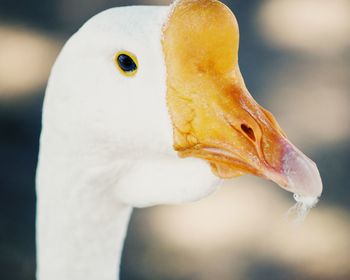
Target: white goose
x=132, y=90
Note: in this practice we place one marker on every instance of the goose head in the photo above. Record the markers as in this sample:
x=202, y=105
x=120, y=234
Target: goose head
x=152, y=101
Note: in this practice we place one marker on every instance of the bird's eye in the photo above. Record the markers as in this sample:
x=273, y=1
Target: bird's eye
x=127, y=63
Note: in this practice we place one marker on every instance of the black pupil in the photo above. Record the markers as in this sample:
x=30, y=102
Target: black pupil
x=126, y=63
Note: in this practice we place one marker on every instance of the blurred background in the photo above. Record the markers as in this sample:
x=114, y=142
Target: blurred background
x=295, y=58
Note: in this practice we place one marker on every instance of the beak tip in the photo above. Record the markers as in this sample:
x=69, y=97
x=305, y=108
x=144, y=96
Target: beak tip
x=302, y=173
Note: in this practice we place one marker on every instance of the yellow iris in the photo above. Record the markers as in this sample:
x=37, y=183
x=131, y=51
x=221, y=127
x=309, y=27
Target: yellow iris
x=127, y=63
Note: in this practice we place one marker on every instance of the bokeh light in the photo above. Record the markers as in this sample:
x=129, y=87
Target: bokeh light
x=315, y=26
x=26, y=56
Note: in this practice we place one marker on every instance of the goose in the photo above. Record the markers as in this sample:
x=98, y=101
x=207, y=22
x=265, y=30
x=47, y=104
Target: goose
x=146, y=105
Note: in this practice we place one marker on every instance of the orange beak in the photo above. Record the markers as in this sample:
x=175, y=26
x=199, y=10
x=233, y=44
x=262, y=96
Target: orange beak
x=214, y=116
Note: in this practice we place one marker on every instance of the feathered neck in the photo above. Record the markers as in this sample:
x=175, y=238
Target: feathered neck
x=81, y=226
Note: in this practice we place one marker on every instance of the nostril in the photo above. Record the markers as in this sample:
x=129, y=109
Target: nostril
x=248, y=131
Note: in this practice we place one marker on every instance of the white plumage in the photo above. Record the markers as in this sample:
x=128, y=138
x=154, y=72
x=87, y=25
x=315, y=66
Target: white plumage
x=106, y=146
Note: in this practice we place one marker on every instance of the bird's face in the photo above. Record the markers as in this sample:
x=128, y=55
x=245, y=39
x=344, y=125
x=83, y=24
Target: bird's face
x=141, y=87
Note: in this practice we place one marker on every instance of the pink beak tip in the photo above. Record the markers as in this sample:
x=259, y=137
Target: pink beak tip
x=303, y=177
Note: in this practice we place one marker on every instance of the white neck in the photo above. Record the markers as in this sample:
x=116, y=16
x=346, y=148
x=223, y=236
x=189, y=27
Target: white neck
x=81, y=226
